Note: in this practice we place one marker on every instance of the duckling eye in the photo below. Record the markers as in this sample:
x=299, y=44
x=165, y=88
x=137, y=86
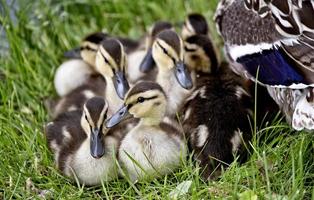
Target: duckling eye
x=165, y=51
x=140, y=100
x=106, y=61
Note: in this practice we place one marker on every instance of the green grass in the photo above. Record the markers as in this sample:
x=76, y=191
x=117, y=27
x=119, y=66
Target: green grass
x=281, y=165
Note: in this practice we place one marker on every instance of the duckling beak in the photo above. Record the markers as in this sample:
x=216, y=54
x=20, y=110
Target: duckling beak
x=183, y=75
x=121, y=115
x=148, y=62
x=97, y=148
x=121, y=84
x=74, y=53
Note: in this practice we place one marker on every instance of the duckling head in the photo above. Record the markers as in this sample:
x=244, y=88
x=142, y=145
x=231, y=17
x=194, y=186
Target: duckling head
x=168, y=54
x=111, y=63
x=146, y=100
x=148, y=62
x=194, y=24
x=200, y=54
x=92, y=121
x=88, y=48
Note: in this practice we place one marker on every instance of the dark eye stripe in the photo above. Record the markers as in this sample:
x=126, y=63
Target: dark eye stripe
x=88, y=48
x=150, y=98
x=145, y=99
x=107, y=61
x=166, y=52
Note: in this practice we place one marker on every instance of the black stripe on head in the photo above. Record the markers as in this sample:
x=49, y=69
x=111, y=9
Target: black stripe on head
x=160, y=26
x=206, y=44
x=96, y=38
x=198, y=23
x=143, y=87
x=94, y=106
x=114, y=48
x=172, y=39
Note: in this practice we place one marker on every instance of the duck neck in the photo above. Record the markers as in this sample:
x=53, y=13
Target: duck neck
x=165, y=79
x=111, y=95
x=150, y=121
x=175, y=93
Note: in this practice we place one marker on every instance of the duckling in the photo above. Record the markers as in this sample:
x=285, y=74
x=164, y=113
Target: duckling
x=271, y=42
x=173, y=75
x=216, y=120
x=88, y=48
x=75, y=72
x=200, y=55
x=110, y=83
x=194, y=24
x=152, y=148
x=83, y=147
x=141, y=61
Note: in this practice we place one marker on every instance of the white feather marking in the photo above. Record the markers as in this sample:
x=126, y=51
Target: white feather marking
x=49, y=124
x=89, y=94
x=66, y=134
x=202, y=92
x=72, y=108
x=239, y=92
x=193, y=95
x=303, y=116
x=187, y=114
x=237, y=51
x=202, y=135
x=236, y=140
x=167, y=120
x=293, y=86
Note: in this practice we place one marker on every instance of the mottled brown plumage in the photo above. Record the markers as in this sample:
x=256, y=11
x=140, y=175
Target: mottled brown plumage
x=68, y=137
x=215, y=119
x=94, y=86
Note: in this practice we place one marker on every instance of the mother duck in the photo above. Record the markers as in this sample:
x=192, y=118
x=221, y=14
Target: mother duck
x=272, y=42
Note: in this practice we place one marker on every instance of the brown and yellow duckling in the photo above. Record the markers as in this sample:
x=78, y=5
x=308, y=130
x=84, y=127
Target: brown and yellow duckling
x=194, y=24
x=141, y=61
x=173, y=75
x=81, y=66
x=153, y=147
x=82, y=145
x=216, y=115
x=110, y=83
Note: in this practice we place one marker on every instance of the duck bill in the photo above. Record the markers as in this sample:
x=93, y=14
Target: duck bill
x=97, y=148
x=121, y=84
x=121, y=115
x=183, y=75
x=74, y=53
x=148, y=62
